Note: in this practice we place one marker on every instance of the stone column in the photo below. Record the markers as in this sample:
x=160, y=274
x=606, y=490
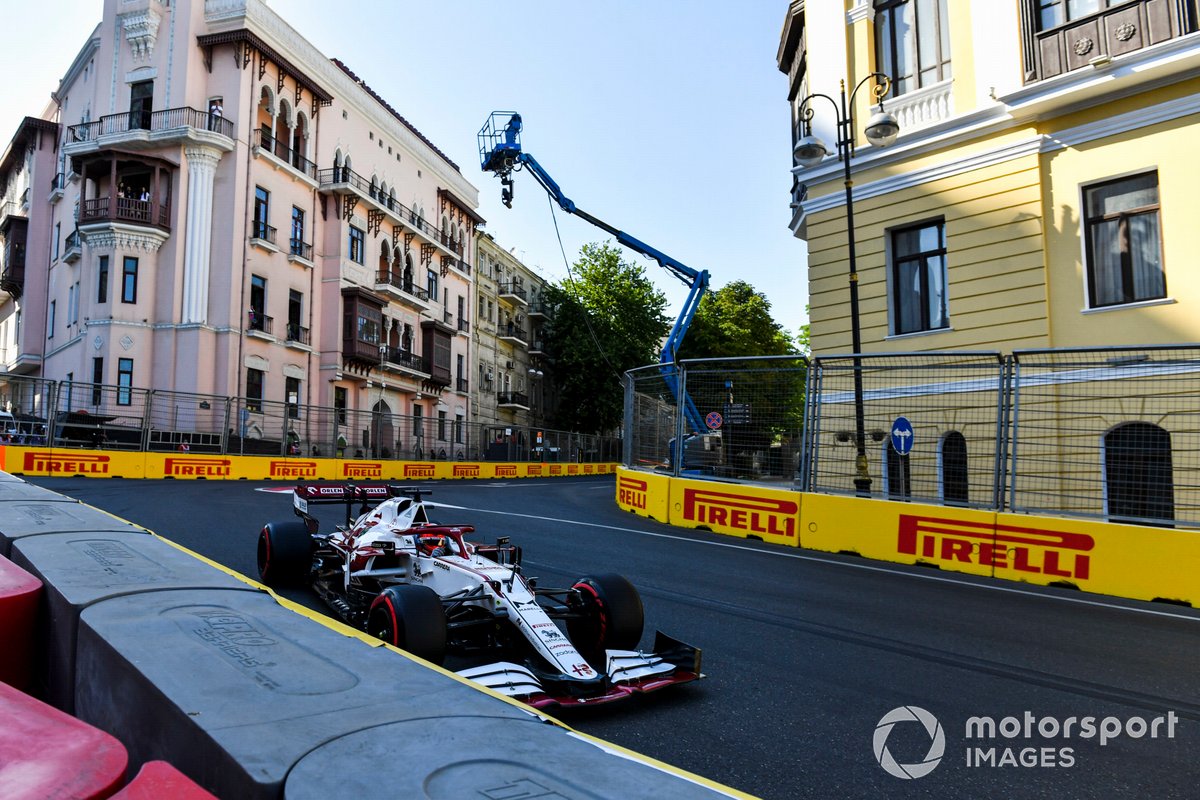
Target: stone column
x=202, y=167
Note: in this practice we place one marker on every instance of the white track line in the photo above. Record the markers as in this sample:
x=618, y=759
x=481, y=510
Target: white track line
x=839, y=563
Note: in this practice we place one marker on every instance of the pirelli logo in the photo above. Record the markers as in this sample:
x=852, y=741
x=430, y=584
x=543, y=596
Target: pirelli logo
x=533, y=469
x=362, y=469
x=419, y=470
x=556, y=469
x=466, y=471
x=1033, y=550
x=61, y=463
x=601, y=469
x=506, y=470
x=589, y=469
x=293, y=469
x=197, y=467
x=572, y=469
x=751, y=514
x=632, y=492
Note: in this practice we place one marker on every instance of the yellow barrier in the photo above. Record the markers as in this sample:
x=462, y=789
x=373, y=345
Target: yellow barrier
x=772, y=515
x=41, y=461
x=644, y=493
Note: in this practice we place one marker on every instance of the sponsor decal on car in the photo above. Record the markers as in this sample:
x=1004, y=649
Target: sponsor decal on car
x=36, y=461
x=419, y=470
x=632, y=492
x=775, y=516
x=1035, y=550
x=293, y=469
x=466, y=471
x=198, y=467
x=506, y=470
x=362, y=469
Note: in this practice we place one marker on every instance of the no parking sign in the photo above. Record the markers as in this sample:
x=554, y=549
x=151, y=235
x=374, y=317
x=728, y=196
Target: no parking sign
x=714, y=420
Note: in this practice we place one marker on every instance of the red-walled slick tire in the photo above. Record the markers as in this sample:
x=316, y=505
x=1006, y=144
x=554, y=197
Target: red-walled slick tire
x=284, y=553
x=610, y=618
x=411, y=618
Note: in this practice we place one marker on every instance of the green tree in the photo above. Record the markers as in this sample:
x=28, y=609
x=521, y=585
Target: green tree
x=605, y=319
x=734, y=321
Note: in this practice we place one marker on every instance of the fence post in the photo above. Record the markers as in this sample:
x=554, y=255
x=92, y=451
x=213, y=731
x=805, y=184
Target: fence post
x=627, y=440
x=146, y=416
x=1003, y=396
x=680, y=416
x=1014, y=426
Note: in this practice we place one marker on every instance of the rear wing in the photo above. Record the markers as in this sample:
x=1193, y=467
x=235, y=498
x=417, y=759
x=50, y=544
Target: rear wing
x=366, y=495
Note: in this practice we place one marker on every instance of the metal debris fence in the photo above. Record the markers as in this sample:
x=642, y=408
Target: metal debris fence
x=1108, y=433
x=73, y=414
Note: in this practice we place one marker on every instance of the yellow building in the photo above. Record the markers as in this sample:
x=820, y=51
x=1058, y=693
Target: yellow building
x=1041, y=191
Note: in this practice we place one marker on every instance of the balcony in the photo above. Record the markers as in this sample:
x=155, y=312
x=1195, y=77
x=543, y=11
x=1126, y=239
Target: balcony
x=394, y=285
x=343, y=181
x=299, y=250
x=137, y=130
x=456, y=263
x=514, y=293
x=514, y=401
x=923, y=107
x=262, y=235
x=463, y=386
x=125, y=209
x=537, y=349
x=513, y=335
x=282, y=154
x=1101, y=36
x=298, y=334
x=57, y=184
x=11, y=211
x=405, y=359
x=537, y=309
x=464, y=326
x=73, y=247
x=12, y=279
x=259, y=324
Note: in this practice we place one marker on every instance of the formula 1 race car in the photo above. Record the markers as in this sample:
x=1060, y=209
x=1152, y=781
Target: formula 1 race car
x=424, y=588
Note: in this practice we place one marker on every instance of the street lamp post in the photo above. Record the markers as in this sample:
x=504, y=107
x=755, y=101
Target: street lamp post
x=881, y=130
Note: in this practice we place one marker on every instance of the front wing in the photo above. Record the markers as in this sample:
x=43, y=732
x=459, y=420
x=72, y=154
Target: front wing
x=627, y=673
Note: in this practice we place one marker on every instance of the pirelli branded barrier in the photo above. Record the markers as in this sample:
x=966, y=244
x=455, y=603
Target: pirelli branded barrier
x=45, y=462
x=1133, y=561
x=186, y=662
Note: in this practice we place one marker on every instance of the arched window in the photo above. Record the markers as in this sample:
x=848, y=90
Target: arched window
x=385, y=262
x=374, y=191
x=896, y=477
x=300, y=141
x=1138, y=480
x=266, y=119
x=953, y=458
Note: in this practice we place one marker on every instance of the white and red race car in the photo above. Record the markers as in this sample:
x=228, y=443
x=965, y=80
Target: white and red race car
x=426, y=589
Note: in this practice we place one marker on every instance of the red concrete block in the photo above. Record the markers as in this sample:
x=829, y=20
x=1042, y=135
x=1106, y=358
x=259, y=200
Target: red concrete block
x=46, y=754
x=157, y=780
x=19, y=595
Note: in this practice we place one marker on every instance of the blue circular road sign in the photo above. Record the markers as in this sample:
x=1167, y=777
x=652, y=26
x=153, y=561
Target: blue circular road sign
x=902, y=435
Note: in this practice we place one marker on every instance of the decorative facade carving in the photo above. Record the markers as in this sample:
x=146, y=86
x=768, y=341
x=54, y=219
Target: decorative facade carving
x=141, y=31
x=129, y=238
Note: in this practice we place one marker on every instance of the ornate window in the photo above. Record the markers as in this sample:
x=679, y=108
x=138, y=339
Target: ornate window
x=912, y=42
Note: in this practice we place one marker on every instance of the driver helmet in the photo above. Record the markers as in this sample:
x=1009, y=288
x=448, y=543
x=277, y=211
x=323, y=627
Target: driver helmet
x=433, y=544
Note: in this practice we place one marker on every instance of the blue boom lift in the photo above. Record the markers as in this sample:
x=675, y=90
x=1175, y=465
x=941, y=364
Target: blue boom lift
x=500, y=152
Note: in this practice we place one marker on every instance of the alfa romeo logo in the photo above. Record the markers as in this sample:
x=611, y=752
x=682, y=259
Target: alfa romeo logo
x=937, y=742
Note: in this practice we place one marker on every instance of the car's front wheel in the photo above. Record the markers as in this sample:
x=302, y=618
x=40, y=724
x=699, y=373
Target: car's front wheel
x=411, y=618
x=610, y=616
x=285, y=553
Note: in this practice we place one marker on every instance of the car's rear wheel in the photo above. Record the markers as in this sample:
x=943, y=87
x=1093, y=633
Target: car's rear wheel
x=285, y=551
x=610, y=616
x=411, y=618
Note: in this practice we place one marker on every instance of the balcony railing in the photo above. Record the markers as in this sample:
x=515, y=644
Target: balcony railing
x=514, y=332
x=464, y=326
x=511, y=289
x=463, y=385
x=396, y=279
x=58, y=182
x=261, y=230
x=512, y=399
x=457, y=263
x=258, y=321
x=300, y=249
x=167, y=119
x=72, y=248
x=287, y=155
x=125, y=209
x=341, y=176
x=405, y=358
x=12, y=279
x=298, y=333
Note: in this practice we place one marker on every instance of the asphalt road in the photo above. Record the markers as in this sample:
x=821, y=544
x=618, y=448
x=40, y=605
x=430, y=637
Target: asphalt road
x=805, y=652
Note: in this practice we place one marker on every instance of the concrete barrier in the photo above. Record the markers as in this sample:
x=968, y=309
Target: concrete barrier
x=80, y=569
x=19, y=596
x=45, y=753
x=158, y=780
x=39, y=515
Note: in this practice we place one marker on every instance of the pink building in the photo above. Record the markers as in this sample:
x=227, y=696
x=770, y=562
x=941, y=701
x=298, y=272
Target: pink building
x=221, y=209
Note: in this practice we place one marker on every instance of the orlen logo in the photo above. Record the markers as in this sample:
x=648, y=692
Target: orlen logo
x=506, y=470
x=198, y=467
x=58, y=462
x=631, y=492
x=466, y=471
x=752, y=514
x=418, y=470
x=293, y=469
x=362, y=469
x=533, y=469
x=1035, y=550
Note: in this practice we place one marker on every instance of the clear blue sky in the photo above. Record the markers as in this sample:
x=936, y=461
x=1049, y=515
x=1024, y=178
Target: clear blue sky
x=665, y=118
